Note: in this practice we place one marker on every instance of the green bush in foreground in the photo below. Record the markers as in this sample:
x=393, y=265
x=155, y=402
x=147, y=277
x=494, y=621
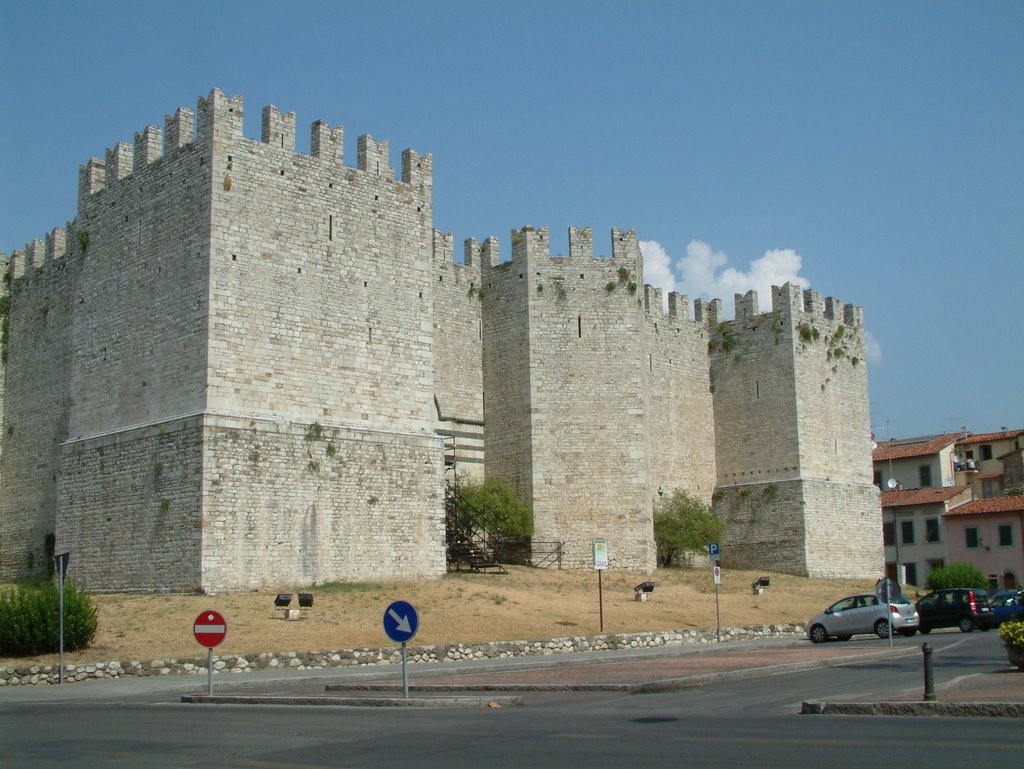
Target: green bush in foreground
x=30, y=620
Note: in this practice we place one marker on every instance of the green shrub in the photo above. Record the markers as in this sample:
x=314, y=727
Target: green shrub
x=684, y=524
x=503, y=512
x=956, y=575
x=30, y=620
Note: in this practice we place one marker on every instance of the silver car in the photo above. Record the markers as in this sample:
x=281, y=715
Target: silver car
x=863, y=613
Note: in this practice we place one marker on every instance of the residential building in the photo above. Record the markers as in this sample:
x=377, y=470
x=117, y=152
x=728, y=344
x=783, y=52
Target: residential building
x=915, y=463
x=988, y=533
x=914, y=533
x=980, y=460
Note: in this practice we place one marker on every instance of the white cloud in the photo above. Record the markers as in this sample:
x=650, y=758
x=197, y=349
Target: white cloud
x=657, y=266
x=703, y=272
x=872, y=348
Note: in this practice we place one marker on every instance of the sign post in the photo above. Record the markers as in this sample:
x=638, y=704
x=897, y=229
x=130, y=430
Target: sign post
x=714, y=553
x=600, y=564
x=401, y=623
x=210, y=630
x=61, y=562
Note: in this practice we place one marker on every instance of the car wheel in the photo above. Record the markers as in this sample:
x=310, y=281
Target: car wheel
x=925, y=630
x=882, y=628
x=819, y=634
x=966, y=626
x=909, y=632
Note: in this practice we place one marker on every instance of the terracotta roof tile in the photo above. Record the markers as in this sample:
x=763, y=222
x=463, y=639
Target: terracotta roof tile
x=904, y=497
x=912, y=447
x=1013, y=504
x=970, y=440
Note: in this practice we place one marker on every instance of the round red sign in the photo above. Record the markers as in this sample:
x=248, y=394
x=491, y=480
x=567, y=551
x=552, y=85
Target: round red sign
x=210, y=628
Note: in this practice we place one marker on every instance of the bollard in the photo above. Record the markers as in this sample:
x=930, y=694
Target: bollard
x=929, y=681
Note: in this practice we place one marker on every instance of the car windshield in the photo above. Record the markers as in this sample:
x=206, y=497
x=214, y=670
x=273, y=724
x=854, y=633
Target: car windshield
x=1006, y=600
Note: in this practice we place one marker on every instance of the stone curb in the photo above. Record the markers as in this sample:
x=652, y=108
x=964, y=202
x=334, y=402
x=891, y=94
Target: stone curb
x=960, y=709
x=374, y=702
x=49, y=674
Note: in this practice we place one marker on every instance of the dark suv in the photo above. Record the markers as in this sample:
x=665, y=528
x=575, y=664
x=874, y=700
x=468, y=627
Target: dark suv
x=962, y=607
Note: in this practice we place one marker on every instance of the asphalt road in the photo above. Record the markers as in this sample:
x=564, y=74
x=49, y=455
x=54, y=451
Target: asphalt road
x=752, y=722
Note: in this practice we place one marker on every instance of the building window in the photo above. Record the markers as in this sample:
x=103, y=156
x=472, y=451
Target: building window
x=924, y=474
x=972, y=539
x=1005, y=535
x=888, y=534
x=986, y=452
x=907, y=532
x=910, y=570
x=931, y=530
x=993, y=487
x=935, y=563
x=878, y=478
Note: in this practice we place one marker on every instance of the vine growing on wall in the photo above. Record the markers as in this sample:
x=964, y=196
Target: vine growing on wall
x=837, y=344
x=5, y=309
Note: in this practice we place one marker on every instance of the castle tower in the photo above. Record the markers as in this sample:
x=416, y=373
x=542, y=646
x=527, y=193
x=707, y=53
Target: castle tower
x=566, y=392
x=247, y=335
x=793, y=437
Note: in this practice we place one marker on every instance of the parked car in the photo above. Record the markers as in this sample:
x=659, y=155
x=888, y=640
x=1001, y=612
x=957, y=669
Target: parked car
x=1007, y=605
x=962, y=607
x=863, y=613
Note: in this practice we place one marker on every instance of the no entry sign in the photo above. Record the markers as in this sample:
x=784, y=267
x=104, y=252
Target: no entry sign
x=210, y=628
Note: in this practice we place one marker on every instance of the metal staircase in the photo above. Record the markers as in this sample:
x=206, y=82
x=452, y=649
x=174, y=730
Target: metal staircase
x=466, y=534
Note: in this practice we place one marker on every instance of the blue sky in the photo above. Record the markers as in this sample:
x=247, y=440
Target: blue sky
x=870, y=150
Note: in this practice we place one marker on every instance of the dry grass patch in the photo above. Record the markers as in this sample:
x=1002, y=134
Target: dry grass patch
x=526, y=604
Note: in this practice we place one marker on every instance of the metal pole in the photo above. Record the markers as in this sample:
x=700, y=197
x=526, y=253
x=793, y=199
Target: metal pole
x=405, y=675
x=718, y=618
x=60, y=612
x=888, y=610
x=209, y=670
x=929, y=681
x=600, y=600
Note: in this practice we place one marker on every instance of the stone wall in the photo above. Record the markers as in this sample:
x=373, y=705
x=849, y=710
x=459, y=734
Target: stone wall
x=301, y=336
x=130, y=508
x=458, y=354
x=38, y=675
x=286, y=505
x=36, y=402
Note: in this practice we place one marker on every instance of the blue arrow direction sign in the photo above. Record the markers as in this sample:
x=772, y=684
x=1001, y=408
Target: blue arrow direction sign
x=401, y=621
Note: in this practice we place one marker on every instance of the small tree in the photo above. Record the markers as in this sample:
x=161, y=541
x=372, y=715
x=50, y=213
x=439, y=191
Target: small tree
x=504, y=513
x=684, y=524
x=956, y=575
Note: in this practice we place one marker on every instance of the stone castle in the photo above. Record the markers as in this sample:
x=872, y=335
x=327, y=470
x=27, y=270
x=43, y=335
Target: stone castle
x=240, y=367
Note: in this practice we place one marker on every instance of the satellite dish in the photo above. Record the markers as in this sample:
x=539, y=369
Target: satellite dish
x=893, y=483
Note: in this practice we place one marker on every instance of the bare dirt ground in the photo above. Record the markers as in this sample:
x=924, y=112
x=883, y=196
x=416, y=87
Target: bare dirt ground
x=525, y=604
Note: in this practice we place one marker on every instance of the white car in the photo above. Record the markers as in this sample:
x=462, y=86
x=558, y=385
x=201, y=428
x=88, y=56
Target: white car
x=863, y=613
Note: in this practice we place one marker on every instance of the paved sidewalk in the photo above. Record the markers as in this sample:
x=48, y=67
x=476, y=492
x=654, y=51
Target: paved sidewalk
x=999, y=692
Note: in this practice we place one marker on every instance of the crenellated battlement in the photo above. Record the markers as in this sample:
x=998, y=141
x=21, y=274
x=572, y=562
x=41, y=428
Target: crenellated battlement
x=278, y=130
x=808, y=305
x=218, y=119
x=789, y=300
x=531, y=244
x=39, y=254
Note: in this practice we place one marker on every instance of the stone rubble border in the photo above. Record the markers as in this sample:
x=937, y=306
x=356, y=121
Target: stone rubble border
x=36, y=675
